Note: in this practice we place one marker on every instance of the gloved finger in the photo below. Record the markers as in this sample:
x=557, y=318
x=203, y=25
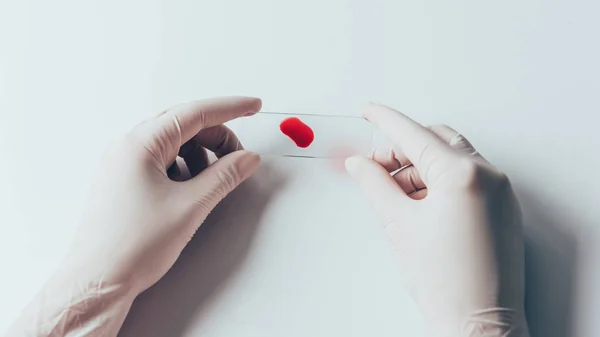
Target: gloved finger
x=406, y=175
x=178, y=105
x=198, y=115
x=419, y=195
x=214, y=183
x=169, y=131
x=429, y=154
x=409, y=180
x=455, y=140
x=389, y=157
x=403, y=172
x=379, y=187
x=219, y=139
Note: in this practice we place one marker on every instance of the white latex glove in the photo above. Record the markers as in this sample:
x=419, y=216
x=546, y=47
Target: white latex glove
x=454, y=222
x=140, y=215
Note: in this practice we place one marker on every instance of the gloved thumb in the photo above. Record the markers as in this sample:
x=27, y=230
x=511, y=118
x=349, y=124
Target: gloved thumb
x=214, y=183
x=378, y=185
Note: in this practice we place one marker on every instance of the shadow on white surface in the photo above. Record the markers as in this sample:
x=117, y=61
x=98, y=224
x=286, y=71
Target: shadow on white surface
x=551, y=261
x=189, y=292
x=211, y=258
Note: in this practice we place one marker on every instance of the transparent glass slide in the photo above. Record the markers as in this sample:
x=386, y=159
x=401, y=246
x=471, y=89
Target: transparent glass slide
x=334, y=136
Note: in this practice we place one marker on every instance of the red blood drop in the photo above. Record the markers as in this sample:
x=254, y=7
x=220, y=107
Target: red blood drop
x=299, y=132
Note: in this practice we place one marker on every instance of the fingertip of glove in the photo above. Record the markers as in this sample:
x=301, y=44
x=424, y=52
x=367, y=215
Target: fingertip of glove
x=353, y=164
x=249, y=159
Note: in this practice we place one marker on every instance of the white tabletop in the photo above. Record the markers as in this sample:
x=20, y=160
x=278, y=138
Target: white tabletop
x=519, y=78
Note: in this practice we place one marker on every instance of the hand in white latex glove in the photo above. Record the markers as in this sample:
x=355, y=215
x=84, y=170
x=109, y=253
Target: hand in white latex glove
x=454, y=222
x=141, y=214
x=138, y=219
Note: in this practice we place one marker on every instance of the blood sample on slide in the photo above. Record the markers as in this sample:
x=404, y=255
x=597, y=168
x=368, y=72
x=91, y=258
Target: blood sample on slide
x=299, y=132
x=304, y=135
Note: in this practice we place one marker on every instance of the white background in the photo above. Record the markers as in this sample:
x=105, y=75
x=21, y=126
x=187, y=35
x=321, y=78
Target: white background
x=519, y=78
